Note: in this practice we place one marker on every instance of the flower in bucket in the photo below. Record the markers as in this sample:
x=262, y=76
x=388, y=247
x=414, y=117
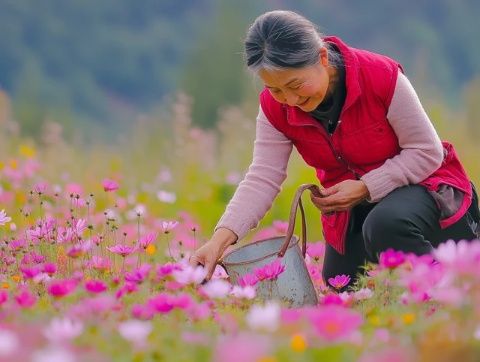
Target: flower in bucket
x=270, y=271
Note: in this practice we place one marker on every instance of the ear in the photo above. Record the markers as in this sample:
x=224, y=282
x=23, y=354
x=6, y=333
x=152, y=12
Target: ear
x=323, y=56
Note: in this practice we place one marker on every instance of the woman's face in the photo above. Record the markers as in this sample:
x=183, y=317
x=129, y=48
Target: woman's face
x=304, y=87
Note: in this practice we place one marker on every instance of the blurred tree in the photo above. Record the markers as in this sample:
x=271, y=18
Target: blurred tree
x=215, y=74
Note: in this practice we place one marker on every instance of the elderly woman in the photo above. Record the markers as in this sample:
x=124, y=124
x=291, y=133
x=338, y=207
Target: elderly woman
x=388, y=181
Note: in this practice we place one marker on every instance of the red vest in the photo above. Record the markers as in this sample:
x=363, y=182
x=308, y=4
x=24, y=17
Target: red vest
x=363, y=139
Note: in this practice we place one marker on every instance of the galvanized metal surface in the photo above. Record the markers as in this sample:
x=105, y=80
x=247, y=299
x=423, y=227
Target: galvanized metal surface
x=294, y=286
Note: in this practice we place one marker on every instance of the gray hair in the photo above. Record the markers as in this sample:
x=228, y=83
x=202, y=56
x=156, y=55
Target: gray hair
x=283, y=39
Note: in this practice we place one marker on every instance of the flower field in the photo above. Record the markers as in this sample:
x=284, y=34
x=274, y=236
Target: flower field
x=94, y=268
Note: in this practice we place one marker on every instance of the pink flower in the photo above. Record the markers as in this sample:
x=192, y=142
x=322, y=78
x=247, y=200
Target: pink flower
x=4, y=218
x=109, y=185
x=316, y=250
x=122, y=250
x=99, y=263
x=25, y=299
x=139, y=274
x=147, y=239
x=242, y=347
x=95, y=286
x=127, y=288
x=270, y=271
x=247, y=292
x=339, y=281
x=40, y=187
x=143, y=312
x=61, y=288
x=334, y=323
x=168, y=226
x=391, y=259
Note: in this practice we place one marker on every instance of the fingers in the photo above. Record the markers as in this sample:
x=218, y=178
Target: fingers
x=210, y=270
x=194, y=261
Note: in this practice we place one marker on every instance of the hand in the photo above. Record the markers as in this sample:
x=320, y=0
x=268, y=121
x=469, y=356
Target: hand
x=340, y=197
x=210, y=252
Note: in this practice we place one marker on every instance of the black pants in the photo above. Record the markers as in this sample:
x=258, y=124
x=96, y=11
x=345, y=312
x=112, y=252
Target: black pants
x=407, y=219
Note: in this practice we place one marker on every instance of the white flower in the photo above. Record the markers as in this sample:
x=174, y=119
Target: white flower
x=364, y=293
x=167, y=197
x=189, y=274
x=4, y=218
x=63, y=329
x=53, y=354
x=247, y=292
x=265, y=317
x=216, y=288
x=135, y=331
x=9, y=343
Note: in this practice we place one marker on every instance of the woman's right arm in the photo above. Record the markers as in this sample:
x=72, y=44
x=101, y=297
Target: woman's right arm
x=254, y=195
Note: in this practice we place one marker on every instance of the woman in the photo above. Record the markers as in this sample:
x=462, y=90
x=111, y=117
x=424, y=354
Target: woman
x=389, y=182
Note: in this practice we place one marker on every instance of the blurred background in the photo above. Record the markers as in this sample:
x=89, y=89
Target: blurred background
x=154, y=92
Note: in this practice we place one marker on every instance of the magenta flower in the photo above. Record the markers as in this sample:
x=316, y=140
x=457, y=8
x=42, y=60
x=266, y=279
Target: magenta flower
x=3, y=296
x=139, y=274
x=391, y=259
x=25, y=299
x=109, y=185
x=49, y=268
x=61, y=288
x=30, y=272
x=122, y=250
x=95, y=286
x=167, y=269
x=334, y=323
x=270, y=271
x=248, y=280
x=339, y=281
x=162, y=303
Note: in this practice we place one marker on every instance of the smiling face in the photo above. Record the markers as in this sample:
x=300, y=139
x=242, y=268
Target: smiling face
x=304, y=87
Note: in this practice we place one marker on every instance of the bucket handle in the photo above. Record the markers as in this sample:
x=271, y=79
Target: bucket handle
x=297, y=202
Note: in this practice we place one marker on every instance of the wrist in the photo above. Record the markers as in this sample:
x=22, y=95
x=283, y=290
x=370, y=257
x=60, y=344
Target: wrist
x=224, y=237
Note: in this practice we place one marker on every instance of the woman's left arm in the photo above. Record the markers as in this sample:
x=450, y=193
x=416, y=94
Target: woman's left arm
x=422, y=150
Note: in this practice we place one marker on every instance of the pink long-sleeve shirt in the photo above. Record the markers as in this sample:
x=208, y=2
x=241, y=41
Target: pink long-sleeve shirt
x=421, y=155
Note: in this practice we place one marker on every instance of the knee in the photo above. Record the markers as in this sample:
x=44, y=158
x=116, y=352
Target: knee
x=380, y=230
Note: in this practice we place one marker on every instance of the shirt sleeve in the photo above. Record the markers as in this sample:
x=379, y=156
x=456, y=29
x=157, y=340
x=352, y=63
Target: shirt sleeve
x=256, y=192
x=421, y=149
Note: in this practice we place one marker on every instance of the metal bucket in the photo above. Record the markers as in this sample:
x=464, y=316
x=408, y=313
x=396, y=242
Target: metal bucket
x=294, y=286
